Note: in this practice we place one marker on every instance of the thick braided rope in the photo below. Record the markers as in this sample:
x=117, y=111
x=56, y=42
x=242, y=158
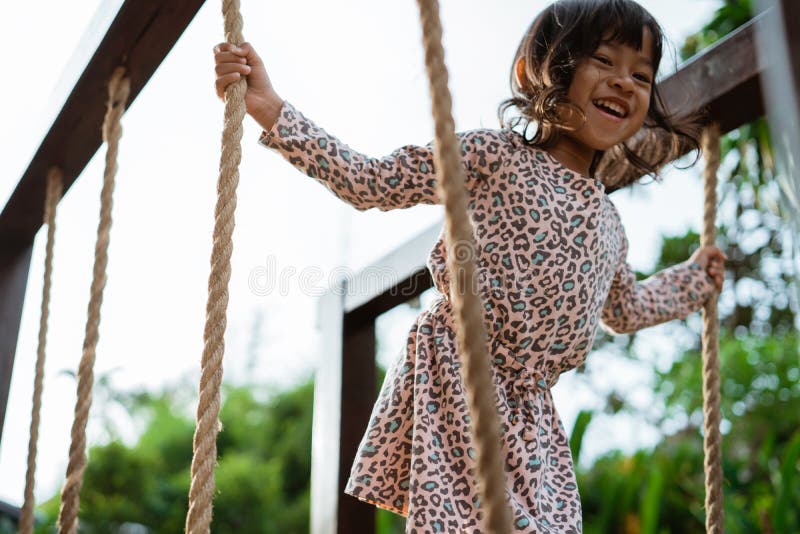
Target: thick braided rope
x=712, y=439
x=471, y=333
x=52, y=196
x=118, y=91
x=198, y=518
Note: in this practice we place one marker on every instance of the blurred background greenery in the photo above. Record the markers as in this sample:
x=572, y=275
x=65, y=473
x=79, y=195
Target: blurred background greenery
x=264, y=450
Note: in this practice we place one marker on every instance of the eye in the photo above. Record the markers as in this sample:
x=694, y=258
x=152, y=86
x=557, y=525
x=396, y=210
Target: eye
x=603, y=59
x=644, y=78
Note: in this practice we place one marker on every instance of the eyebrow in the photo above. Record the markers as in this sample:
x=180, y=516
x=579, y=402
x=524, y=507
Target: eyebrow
x=642, y=59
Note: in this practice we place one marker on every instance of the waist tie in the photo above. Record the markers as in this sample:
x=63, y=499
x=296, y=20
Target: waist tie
x=515, y=374
x=524, y=386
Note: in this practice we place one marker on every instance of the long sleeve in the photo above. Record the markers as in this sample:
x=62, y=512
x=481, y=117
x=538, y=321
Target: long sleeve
x=402, y=179
x=672, y=293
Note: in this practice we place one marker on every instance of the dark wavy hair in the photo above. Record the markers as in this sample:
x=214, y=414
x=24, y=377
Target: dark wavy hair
x=561, y=36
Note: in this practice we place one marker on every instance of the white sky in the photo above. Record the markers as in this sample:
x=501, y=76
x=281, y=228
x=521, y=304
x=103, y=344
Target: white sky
x=356, y=68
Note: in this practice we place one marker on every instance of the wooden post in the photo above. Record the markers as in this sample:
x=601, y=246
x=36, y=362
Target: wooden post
x=359, y=391
x=780, y=42
x=14, y=267
x=140, y=36
x=345, y=389
x=326, y=419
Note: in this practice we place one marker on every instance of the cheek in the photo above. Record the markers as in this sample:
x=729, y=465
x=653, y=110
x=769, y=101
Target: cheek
x=583, y=82
x=642, y=109
x=644, y=102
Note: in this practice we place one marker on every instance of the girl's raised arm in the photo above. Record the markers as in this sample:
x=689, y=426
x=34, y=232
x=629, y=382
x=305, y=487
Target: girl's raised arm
x=672, y=293
x=404, y=178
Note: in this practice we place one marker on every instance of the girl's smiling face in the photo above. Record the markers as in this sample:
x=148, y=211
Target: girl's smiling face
x=582, y=84
x=613, y=89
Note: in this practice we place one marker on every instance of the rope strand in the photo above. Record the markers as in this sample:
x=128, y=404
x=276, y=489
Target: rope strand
x=118, y=91
x=52, y=196
x=470, y=329
x=712, y=439
x=201, y=492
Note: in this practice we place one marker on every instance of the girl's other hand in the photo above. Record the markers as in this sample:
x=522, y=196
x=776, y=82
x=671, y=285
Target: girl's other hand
x=712, y=260
x=234, y=62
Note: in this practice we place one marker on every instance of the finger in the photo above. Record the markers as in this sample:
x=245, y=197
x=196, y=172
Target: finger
x=228, y=57
x=224, y=81
x=227, y=68
x=246, y=48
x=242, y=50
x=223, y=47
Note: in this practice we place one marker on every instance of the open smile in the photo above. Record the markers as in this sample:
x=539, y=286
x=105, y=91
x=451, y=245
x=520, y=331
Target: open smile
x=612, y=109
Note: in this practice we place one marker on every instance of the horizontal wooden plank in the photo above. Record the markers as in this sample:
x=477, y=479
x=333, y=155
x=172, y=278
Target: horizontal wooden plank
x=395, y=276
x=722, y=75
x=141, y=35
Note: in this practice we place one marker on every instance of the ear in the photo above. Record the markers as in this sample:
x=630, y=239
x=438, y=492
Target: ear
x=519, y=71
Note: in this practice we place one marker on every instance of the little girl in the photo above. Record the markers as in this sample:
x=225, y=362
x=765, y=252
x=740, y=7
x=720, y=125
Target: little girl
x=550, y=248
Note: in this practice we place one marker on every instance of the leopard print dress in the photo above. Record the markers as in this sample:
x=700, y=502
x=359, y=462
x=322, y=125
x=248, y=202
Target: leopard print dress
x=552, y=267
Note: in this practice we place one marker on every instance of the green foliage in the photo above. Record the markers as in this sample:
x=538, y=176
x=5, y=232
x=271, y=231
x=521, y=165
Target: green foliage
x=262, y=478
x=663, y=488
x=731, y=15
x=578, y=431
x=7, y=526
x=387, y=522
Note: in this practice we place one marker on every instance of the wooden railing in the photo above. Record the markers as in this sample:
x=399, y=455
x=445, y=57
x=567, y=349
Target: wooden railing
x=726, y=79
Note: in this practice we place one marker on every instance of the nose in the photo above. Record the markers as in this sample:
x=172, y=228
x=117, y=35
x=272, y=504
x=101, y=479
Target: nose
x=622, y=82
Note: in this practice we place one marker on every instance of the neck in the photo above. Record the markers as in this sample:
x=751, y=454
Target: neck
x=573, y=155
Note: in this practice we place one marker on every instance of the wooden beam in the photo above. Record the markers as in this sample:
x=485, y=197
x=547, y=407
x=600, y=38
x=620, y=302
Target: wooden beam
x=141, y=35
x=14, y=267
x=359, y=391
x=724, y=79
x=780, y=42
x=393, y=279
x=326, y=427
x=345, y=389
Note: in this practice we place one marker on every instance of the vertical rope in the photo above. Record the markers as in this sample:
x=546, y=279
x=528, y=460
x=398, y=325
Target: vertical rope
x=471, y=332
x=118, y=91
x=52, y=196
x=712, y=439
x=201, y=493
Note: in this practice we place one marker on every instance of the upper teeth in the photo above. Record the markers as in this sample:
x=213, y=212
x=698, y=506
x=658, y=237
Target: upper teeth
x=616, y=108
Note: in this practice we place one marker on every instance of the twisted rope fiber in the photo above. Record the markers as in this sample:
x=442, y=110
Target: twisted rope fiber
x=712, y=439
x=118, y=91
x=52, y=196
x=201, y=492
x=471, y=333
